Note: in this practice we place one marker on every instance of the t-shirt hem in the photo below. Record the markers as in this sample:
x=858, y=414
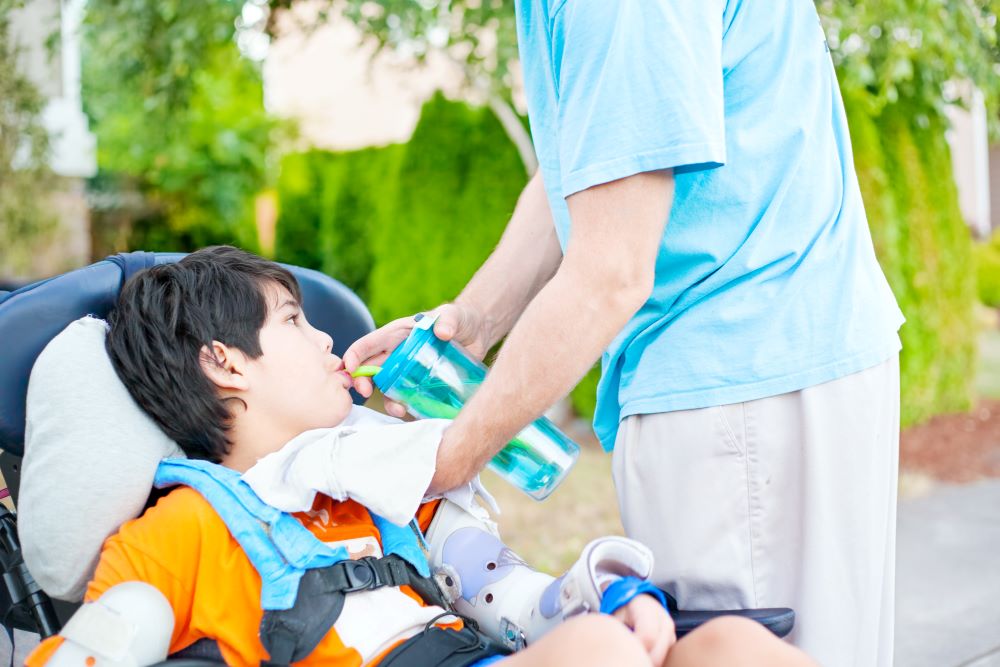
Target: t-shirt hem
x=703, y=398
x=708, y=153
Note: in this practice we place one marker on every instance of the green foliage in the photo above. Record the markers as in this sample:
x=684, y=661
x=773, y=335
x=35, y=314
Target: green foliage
x=911, y=51
x=179, y=116
x=405, y=226
x=25, y=179
x=583, y=398
x=988, y=270
x=924, y=246
x=330, y=205
x=459, y=179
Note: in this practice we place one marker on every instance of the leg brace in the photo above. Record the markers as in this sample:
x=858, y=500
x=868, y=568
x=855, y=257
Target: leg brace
x=486, y=581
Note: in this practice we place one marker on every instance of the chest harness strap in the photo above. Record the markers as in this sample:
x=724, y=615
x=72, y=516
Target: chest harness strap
x=290, y=635
x=304, y=581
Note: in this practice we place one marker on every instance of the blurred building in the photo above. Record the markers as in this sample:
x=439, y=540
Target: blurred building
x=994, y=167
x=342, y=99
x=971, y=163
x=55, y=70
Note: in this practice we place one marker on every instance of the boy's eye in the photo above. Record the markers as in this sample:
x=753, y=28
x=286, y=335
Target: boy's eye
x=294, y=319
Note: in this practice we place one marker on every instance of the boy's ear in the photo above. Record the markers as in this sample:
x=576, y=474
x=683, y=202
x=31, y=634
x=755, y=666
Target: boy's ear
x=225, y=366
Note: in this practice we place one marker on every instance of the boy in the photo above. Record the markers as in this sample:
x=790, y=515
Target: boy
x=217, y=350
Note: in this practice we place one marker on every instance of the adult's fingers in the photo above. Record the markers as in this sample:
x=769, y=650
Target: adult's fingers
x=394, y=409
x=364, y=386
x=377, y=344
x=451, y=322
x=461, y=324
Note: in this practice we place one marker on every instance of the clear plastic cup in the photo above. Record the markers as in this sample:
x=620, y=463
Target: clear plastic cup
x=434, y=378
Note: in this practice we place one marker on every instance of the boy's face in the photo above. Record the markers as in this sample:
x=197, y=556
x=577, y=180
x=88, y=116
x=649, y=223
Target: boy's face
x=297, y=384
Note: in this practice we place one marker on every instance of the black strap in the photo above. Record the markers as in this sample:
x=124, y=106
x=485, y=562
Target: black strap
x=292, y=634
x=444, y=647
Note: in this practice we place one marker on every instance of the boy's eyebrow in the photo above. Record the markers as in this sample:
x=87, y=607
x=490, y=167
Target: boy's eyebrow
x=290, y=302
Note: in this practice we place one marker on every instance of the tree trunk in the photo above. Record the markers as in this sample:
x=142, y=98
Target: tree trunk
x=511, y=123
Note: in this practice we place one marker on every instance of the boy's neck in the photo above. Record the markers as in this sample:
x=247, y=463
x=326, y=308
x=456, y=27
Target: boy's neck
x=252, y=439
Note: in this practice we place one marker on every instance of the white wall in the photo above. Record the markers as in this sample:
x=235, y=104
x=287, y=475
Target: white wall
x=969, y=143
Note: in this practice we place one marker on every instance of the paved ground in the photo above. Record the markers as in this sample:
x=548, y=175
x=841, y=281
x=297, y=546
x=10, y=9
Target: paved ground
x=948, y=577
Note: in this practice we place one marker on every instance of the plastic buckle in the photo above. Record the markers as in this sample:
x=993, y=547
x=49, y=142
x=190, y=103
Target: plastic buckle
x=361, y=575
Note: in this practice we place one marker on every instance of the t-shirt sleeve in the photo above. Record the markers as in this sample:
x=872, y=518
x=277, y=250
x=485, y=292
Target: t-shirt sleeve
x=639, y=86
x=160, y=548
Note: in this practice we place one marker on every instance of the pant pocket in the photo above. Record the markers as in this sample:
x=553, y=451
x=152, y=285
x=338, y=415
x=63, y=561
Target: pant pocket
x=684, y=492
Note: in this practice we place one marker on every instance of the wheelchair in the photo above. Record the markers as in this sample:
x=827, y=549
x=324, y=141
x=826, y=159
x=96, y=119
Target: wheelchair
x=30, y=316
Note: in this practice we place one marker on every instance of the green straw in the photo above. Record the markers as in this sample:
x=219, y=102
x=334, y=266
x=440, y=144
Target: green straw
x=365, y=371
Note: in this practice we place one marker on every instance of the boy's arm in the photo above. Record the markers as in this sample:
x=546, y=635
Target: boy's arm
x=141, y=552
x=515, y=604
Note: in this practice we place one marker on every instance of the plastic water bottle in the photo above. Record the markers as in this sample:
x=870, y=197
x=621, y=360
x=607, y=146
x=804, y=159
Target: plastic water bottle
x=434, y=378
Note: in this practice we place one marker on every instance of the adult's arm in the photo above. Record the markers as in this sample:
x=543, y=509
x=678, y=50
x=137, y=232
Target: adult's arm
x=605, y=277
x=523, y=261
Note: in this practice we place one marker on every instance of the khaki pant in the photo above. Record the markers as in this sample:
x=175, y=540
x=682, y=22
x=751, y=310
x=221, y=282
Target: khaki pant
x=787, y=501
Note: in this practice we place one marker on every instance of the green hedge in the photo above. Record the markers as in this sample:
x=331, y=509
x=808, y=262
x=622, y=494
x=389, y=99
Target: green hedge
x=924, y=246
x=404, y=226
x=988, y=270
x=329, y=206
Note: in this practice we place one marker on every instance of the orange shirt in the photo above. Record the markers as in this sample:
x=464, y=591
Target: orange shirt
x=182, y=547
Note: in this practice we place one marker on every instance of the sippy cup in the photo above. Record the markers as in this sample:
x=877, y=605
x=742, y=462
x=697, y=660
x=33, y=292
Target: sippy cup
x=434, y=378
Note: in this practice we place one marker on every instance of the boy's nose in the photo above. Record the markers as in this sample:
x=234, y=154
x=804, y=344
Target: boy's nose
x=325, y=341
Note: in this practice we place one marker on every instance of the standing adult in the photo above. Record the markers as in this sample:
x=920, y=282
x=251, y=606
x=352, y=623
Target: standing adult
x=750, y=370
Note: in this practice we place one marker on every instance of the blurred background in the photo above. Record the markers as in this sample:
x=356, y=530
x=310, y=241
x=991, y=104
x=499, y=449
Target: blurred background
x=385, y=143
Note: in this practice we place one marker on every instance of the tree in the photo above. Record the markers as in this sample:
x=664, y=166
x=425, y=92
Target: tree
x=179, y=118
x=914, y=52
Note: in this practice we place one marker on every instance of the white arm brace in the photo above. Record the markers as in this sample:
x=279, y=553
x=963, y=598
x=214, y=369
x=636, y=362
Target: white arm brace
x=513, y=603
x=129, y=626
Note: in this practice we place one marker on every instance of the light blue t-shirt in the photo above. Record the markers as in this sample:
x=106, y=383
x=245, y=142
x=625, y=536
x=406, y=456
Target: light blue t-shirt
x=766, y=279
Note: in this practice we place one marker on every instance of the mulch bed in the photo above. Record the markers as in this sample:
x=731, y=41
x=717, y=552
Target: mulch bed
x=955, y=448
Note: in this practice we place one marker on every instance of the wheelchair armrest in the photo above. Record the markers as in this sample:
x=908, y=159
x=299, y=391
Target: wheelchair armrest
x=779, y=620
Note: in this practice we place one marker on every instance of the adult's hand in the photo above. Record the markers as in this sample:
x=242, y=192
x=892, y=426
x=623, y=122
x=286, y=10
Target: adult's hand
x=463, y=324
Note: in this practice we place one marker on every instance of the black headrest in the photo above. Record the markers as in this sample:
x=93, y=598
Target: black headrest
x=32, y=316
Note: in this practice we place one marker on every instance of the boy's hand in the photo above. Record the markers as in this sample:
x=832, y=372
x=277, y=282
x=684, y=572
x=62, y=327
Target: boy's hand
x=651, y=624
x=455, y=322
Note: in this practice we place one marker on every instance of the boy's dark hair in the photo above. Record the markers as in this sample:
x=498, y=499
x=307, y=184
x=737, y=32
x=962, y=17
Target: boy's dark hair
x=164, y=318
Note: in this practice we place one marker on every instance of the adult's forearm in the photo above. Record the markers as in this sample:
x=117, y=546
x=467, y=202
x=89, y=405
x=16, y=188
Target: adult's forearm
x=524, y=260
x=558, y=338
x=604, y=279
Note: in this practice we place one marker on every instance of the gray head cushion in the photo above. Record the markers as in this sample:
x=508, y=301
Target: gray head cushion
x=89, y=460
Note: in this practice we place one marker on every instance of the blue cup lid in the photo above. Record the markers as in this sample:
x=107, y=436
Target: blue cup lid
x=400, y=358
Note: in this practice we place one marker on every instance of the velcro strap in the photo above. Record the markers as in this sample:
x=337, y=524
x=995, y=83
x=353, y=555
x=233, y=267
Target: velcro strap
x=621, y=592
x=291, y=634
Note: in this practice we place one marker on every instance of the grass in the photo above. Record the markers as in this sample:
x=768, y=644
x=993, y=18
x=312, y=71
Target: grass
x=550, y=534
